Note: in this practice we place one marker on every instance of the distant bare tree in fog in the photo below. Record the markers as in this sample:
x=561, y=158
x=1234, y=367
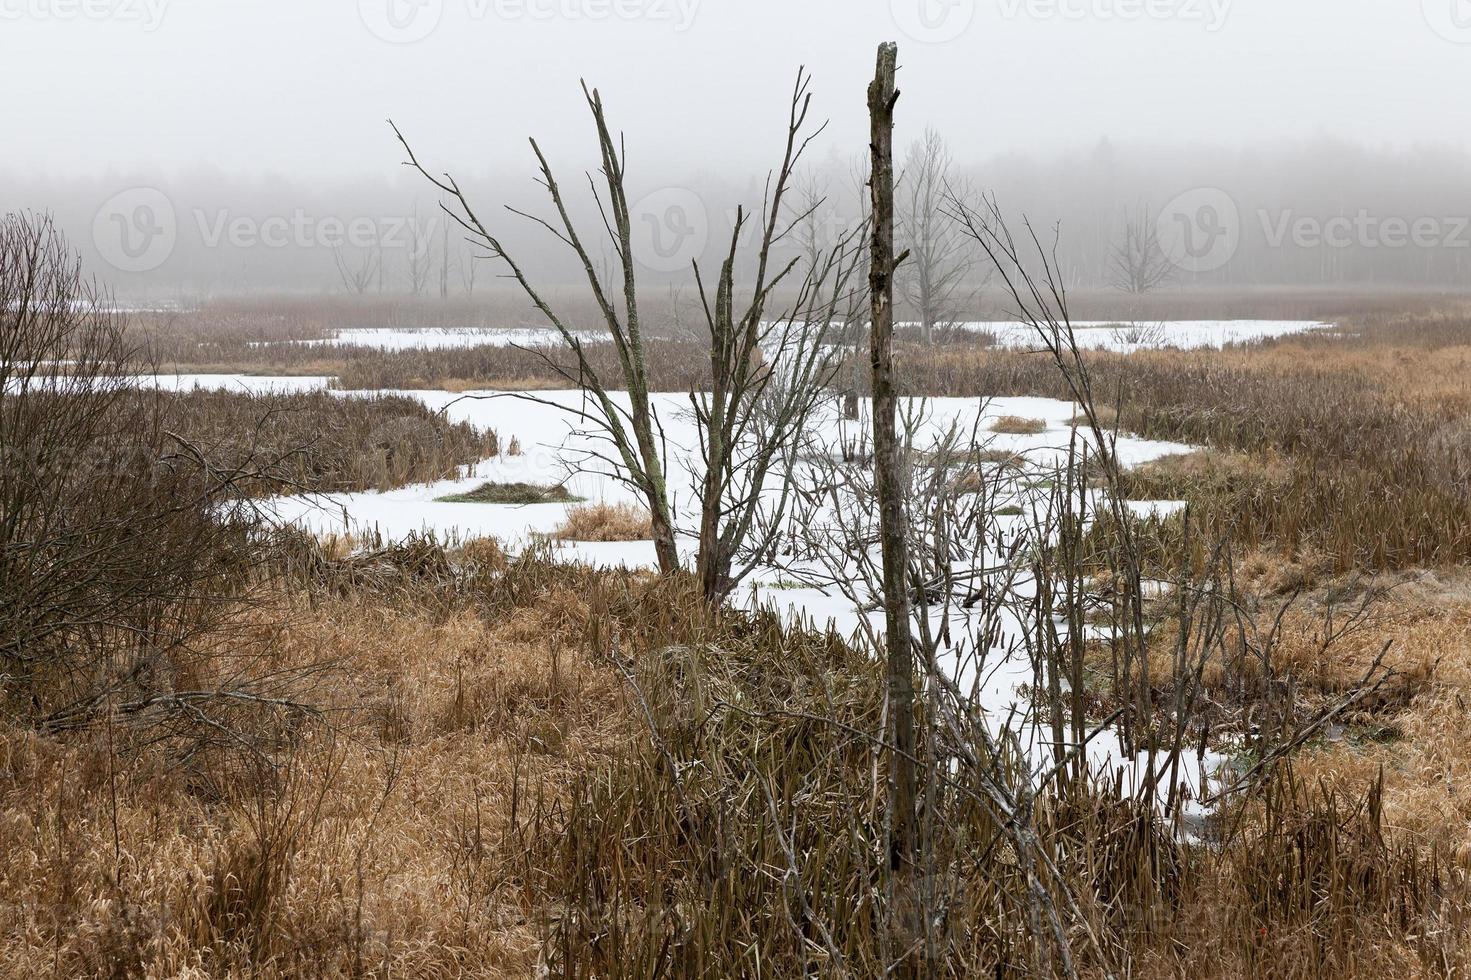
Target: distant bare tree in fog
x=468, y=270
x=419, y=258
x=809, y=231
x=933, y=281
x=444, y=260
x=1139, y=264
x=357, y=275
x=814, y=223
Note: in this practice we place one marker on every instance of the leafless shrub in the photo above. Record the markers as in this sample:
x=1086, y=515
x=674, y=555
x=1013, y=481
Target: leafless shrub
x=125, y=554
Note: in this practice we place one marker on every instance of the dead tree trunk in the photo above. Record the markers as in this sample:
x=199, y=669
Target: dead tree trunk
x=887, y=477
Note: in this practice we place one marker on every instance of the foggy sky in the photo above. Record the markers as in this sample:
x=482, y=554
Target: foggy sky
x=301, y=88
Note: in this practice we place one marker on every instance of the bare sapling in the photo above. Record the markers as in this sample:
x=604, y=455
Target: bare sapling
x=771, y=365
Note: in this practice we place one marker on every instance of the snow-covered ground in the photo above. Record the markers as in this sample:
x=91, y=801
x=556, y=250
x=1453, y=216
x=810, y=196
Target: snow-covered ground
x=1153, y=335
x=1092, y=335
x=446, y=338
x=249, y=383
x=552, y=438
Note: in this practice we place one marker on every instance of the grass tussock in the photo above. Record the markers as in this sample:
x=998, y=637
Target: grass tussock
x=1015, y=425
x=512, y=493
x=606, y=522
x=1107, y=418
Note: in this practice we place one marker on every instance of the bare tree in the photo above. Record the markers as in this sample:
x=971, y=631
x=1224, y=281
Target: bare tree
x=444, y=261
x=468, y=270
x=941, y=257
x=419, y=258
x=747, y=420
x=888, y=480
x=810, y=226
x=357, y=276
x=1139, y=264
x=750, y=418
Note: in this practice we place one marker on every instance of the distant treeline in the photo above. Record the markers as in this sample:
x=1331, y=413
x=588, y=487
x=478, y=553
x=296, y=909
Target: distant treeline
x=1316, y=213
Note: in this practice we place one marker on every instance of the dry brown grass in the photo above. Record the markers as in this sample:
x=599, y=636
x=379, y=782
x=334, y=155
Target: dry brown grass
x=606, y=522
x=487, y=797
x=392, y=842
x=1358, y=440
x=523, y=383
x=1416, y=734
x=319, y=442
x=1015, y=425
x=1107, y=417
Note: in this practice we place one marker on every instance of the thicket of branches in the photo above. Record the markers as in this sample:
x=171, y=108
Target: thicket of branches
x=126, y=555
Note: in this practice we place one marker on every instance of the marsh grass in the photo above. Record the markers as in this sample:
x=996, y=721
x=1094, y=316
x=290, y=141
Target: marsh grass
x=1349, y=444
x=512, y=493
x=606, y=522
x=520, y=768
x=1015, y=425
x=748, y=829
x=318, y=442
x=537, y=768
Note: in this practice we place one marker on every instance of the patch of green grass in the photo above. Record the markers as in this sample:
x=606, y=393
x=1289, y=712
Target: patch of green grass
x=511, y=493
x=1011, y=510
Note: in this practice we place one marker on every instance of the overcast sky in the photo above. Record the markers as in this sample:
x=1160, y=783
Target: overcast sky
x=301, y=87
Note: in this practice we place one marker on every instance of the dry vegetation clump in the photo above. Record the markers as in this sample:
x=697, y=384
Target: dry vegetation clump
x=1414, y=732
x=512, y=493
x=1017, y=426
x=606, y=522
x=319, y=442
x=1220, y=483
x=1107, y=418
